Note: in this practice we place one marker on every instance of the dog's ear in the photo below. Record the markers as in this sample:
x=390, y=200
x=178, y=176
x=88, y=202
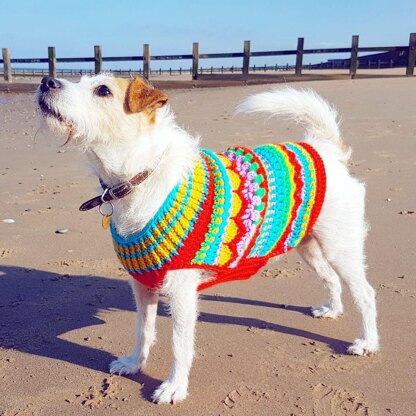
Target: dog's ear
x=141, y=96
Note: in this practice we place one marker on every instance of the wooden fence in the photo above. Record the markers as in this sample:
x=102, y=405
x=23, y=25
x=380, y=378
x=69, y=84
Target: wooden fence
x=196, y=56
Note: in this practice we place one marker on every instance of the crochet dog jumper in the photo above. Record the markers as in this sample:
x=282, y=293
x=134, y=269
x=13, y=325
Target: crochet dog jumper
x=233, y=212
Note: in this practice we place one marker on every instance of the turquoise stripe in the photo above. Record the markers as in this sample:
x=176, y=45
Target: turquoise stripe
x=277, y=210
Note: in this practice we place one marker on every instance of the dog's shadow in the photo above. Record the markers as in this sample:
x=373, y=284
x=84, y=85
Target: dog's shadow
x=336, y=345
x=38, y=307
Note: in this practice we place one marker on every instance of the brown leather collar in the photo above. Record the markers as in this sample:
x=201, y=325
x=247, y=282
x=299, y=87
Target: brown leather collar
x=114, y=192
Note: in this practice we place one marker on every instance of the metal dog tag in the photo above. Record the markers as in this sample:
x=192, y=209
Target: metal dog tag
x=106, y=222
x=106, y=215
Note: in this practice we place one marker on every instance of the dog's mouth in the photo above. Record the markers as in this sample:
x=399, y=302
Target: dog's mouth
x=48, y=111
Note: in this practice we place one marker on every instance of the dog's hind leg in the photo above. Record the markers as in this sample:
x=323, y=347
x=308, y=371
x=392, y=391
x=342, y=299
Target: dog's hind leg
x=146, y=302
x=350, y=267
x=311, y=252
x=181, y=287
x=343, y=247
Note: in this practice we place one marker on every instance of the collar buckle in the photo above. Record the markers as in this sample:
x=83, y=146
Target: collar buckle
x=121, y=190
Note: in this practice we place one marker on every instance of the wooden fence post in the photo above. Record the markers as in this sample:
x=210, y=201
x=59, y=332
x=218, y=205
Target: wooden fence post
x=246, y=59
x=98, y=59
x=195, y=60
x=7, y=67
x=412, y=55
x=354, y=56
x=146, y=61
x=299, y=57
x=52, y=61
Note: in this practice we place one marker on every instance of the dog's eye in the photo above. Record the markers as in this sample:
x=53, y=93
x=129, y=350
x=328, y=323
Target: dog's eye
x=102, y=91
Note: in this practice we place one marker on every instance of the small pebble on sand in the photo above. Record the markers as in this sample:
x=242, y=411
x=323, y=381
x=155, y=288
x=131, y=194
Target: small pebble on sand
x=9, y=221
x=62, y=231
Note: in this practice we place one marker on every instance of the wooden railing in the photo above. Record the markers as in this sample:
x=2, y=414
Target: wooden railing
x=196, y=56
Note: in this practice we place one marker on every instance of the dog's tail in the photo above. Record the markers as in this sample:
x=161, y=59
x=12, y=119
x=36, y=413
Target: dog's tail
x=306, y=108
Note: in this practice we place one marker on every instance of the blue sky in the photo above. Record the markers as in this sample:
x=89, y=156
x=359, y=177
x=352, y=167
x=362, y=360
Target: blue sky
x=121, y=27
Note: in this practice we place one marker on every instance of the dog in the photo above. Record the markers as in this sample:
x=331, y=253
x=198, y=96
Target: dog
x=140, y=154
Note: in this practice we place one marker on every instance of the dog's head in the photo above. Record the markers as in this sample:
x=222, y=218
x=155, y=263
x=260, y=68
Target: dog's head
x=98, y=109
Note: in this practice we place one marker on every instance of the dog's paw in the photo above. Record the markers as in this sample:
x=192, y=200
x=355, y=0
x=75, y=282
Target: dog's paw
x=363, y=347
x=125, y=365
x=170, y=392
x=324, y=311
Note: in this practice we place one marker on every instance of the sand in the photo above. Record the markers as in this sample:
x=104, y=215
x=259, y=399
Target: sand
x=66, y=309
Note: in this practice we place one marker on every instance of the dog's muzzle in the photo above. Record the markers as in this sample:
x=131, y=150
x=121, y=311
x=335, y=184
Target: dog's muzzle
x=47, y=89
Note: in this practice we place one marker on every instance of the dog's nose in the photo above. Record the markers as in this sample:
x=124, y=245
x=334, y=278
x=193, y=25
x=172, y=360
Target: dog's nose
x=49, y=83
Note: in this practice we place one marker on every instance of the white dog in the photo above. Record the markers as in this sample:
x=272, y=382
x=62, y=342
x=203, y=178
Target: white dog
x=127, y=131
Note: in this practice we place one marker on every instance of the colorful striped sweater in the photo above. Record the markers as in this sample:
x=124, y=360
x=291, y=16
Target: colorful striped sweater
x=232, y=213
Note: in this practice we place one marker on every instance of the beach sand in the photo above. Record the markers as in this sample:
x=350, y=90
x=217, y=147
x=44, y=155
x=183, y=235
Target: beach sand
x=66, y=309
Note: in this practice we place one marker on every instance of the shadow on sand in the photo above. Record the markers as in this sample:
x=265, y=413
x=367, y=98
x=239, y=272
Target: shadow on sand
x=37, y=307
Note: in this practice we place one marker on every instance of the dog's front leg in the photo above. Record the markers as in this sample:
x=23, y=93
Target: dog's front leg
x=181, y=287
x=146, y=302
